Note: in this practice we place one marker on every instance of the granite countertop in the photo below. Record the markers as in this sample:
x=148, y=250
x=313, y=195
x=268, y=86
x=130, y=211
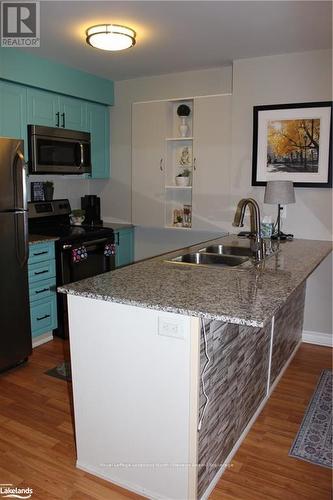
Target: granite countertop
x=247, y=295
x=35, y=238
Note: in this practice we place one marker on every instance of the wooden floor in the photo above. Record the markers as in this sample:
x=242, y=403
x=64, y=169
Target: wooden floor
x=37, y=448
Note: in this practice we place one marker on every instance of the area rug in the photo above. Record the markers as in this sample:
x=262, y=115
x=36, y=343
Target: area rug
x=313, y=442
x=62, y=371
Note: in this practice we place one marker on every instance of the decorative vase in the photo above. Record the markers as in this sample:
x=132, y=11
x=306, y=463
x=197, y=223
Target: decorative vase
x=182, y=181
x=183, y=127
x=48, y=192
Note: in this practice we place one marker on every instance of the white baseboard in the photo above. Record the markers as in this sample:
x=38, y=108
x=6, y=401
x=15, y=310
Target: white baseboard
x=95, y=471
x=318, y=338
x=42, y=339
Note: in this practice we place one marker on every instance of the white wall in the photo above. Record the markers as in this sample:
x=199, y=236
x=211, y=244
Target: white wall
x=116, y=193
x=288, y=78
x=71, y=187
x=281, y=79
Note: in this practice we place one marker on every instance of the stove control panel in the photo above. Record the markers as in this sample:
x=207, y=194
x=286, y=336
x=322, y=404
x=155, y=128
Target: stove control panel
x=47, y=208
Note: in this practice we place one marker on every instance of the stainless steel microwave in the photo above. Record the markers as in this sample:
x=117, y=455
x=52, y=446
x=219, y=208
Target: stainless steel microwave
x=58, y=151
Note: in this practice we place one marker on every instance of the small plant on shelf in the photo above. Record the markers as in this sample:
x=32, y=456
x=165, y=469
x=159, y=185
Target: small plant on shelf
x=77, y=216
x=183, y=179
x=179, y=220
x=183, y=111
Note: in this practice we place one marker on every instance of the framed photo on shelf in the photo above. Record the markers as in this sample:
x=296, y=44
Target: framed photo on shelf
x=293, y=142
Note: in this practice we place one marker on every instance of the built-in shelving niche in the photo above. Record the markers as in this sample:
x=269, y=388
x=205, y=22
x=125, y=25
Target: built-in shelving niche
x=178, y=156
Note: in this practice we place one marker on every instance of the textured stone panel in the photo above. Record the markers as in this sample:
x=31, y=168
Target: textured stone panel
x=287, y=330
x=236, y=383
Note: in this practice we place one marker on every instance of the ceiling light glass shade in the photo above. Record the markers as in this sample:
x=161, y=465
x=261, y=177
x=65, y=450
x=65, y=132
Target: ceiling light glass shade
x=110, y=37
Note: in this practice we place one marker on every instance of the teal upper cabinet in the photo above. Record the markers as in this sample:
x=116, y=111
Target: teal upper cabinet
x=73, y=113
x=99, y=128
x=13, y=116
x=36, y=72
x=53, y=110
x=43, y=108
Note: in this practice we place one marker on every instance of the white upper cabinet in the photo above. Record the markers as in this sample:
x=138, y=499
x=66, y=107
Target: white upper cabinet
x=149, y=130
x=211, y=161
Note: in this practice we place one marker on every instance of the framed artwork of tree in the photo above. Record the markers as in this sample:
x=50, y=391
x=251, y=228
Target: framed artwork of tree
x=293, y=142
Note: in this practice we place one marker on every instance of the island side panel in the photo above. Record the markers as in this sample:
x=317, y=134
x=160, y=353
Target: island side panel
x=133, y=383
x=288, y=329
x=236, y=383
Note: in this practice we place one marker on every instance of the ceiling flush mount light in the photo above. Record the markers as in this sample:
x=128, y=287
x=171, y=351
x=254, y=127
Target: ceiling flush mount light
x=110, y=37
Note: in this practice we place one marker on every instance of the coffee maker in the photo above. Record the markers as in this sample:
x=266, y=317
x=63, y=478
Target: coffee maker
x=91, y=204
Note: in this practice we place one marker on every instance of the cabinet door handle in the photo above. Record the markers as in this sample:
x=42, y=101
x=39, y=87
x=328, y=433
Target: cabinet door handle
x=63, y=120
x=161, y=164
x=117, y=241
x=58, y=119
x=43, y=317
x=40, y=253
x=194, y=163
x=42, y=290
x=41, y=272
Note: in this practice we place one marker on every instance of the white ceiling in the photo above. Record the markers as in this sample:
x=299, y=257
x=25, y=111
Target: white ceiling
x=177, y=36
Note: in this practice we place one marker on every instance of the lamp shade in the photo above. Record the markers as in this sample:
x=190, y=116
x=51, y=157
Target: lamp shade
x=281, y=192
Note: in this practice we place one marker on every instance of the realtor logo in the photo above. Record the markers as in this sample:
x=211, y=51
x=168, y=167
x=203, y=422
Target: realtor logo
x=20, y=24
x=10, y=491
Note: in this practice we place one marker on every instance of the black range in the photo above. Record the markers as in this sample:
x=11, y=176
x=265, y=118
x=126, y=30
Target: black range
x=81, y=250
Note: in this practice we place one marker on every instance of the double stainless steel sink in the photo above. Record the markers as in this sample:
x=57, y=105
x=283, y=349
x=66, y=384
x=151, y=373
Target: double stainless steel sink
x=216, y=255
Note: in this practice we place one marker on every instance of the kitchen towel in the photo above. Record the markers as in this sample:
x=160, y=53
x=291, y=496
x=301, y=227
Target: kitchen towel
x=79, y=254
x=109, y=249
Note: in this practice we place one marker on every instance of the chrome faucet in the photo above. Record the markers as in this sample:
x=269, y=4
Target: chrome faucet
x=257, y=243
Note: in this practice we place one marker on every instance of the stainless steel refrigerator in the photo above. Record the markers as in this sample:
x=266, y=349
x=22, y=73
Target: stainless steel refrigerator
x=15, y=330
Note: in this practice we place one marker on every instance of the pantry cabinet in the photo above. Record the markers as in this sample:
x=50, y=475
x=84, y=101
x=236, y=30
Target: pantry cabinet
x=161, y=151
x=149, y=130
x=211, y=153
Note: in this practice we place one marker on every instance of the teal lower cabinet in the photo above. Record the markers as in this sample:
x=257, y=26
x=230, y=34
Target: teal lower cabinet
x=43, y=316
x=124, y=239
x=42, y=291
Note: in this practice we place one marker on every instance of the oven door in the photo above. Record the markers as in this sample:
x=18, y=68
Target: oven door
x=68, y=272
x=95, y=263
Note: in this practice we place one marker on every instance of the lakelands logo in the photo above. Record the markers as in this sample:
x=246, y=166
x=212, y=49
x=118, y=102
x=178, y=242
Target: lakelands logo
x=20, y=24
x=10, y=491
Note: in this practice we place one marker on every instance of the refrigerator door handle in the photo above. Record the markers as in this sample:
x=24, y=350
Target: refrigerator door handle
x=19, y=171
x=21, y=237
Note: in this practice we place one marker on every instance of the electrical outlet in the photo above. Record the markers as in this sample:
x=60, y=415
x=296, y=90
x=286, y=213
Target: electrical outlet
x=170, y=328
x=284, y=211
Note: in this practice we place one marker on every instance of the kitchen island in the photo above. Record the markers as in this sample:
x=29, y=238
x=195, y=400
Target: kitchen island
x=172, y=363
